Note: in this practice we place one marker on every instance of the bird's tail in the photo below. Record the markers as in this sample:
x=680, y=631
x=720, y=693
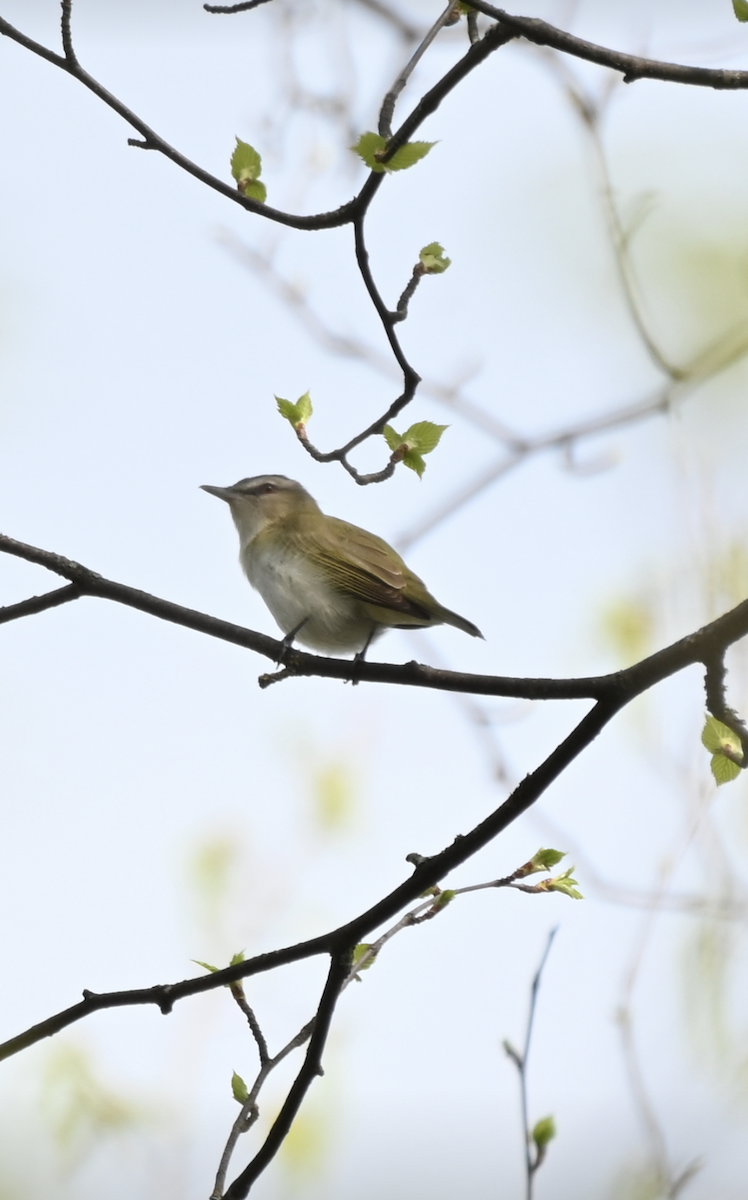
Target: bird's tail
x=447, y=617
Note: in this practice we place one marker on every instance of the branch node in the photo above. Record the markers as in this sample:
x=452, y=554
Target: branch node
x=67, y=38
x=264, y=681
x=416, y=859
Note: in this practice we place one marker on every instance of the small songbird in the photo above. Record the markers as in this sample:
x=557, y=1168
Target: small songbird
x=332, y=585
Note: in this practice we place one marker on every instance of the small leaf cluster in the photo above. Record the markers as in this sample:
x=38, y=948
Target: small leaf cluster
x=433, y=259
x=410, y=447
x=371, y=147
x=297, y=414
x=562, y=883
x=725, y=746
x=543, y=860
x=236, y=988
x=246, y=166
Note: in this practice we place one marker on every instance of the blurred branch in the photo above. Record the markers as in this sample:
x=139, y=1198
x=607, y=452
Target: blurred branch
x=387, y=110
x=532, y=1163
x=407, y=30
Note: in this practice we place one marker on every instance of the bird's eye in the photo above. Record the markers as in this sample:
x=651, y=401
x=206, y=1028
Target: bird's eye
x=268, y=487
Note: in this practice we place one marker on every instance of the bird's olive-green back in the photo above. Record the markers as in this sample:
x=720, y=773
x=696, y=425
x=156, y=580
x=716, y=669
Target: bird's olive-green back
x=356, y=562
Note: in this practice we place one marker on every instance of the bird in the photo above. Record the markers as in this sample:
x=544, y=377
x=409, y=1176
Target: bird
x=332, y=586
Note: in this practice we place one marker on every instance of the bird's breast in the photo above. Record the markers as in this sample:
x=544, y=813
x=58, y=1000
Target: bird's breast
x=296, y=589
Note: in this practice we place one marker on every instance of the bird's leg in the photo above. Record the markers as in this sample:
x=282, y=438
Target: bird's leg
x=288, y=640
x=361, y=656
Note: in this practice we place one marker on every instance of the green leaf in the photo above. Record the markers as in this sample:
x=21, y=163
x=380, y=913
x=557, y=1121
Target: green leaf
x=543, y=860
x=245, y=162
x=433, y=259
x=424, y=436
x=740, y=8
x=723, y=770
x=372, y=146
x=444, y=898
x=544, y=1132
x=408, y=155
x=368, y=146
x=718, y=737
x=409, y=447
x=414, y=462
x=246, y=167
x=239, y=1088
x=206, y=966
x=726, y=748
x=297, y=414
x=256, y=191
x=563, y=883
x=237, y=958
x=358, y=953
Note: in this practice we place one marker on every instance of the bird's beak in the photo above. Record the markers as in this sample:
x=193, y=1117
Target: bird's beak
x=223, y=493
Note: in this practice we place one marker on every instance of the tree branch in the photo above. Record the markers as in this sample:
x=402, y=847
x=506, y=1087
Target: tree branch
x=618, y=687
x=632, y=66
x=312, y=1067
x=37, y=604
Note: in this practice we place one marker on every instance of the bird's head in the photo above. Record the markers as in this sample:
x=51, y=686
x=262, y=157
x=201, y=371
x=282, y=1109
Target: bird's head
x=261, y=501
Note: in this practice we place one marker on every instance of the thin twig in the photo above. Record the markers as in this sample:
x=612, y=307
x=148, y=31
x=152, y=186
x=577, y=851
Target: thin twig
x=401, y=309
x=311, y=1068
x=38, y=604
x=424, y=911
x=387, y=110
x=237, y=991
x=67, y=36
x=532, y=1162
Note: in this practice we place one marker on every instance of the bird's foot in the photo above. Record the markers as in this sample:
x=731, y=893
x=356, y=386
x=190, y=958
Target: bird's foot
x=288, y=642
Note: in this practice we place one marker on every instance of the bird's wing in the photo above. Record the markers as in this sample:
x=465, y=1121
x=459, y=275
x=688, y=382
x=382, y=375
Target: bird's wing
x=364, y=566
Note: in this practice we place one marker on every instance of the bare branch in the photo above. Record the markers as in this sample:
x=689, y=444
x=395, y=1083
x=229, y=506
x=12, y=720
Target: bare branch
x=37, y=604
x=520, y=1061
x=618, y=688
x=153, y=141
x=716, y=700
x=632, y=66
x=312, y=1067
x=67, y=37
